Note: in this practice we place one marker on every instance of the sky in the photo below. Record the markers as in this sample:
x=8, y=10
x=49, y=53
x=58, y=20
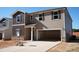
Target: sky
x=8, y=11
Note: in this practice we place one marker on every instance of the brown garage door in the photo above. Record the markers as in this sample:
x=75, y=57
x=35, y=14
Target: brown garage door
x=0, y=36
x=50, y=35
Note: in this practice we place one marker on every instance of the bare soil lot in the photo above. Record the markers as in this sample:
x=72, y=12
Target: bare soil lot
x=65, y=47
x=31, y=46
x=4, y=44
x=61, y=47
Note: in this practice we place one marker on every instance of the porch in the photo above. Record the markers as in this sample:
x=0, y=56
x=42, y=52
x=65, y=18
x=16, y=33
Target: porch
x=34, y=34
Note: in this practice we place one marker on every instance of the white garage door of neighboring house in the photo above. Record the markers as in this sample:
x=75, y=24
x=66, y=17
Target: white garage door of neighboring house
x=50, y=35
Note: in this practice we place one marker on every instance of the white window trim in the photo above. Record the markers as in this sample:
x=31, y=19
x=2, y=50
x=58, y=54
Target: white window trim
x=17, y=32
x=19, y=18
x=18, y=24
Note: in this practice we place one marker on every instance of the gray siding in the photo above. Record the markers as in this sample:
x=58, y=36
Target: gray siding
x=7, y=30
x=68, y=24
x=7, y=34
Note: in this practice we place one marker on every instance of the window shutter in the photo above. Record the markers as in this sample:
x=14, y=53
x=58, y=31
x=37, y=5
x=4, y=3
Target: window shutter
x=31, y=17
x=21, y=18
x=59, y=14
x=43, y=17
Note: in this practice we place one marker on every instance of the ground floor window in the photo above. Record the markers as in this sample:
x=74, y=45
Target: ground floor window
x=17, y=32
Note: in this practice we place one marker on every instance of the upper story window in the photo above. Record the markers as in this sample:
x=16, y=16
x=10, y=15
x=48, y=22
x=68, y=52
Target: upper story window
x=56, y=15
x=4, y=23
x=31, y=17
x=18, y=18
x=41, y=16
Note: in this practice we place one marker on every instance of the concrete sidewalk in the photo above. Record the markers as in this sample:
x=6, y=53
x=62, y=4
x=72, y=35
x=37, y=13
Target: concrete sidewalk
x=34, y=46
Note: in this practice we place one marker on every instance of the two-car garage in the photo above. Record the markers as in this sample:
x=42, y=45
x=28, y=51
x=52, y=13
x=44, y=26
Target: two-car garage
x=49, y=35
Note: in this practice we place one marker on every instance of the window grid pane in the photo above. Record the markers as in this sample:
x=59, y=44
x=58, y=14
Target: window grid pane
x=18, y=18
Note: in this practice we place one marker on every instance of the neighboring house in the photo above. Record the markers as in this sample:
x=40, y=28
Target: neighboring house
x=76, y=34
x=5, y=28
x=47, y=25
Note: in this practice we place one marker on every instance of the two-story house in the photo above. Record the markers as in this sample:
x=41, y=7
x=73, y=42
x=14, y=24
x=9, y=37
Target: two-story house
x=5, y=28
x=46, y=25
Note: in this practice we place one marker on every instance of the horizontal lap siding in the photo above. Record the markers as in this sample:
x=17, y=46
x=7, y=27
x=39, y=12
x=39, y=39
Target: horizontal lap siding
x=28, y=34
x=21, y=30
x=21, y=21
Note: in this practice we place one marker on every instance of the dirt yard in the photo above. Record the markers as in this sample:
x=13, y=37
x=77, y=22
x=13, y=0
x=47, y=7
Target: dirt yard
x=62, y=47
x=65, y=47
x=4, y=44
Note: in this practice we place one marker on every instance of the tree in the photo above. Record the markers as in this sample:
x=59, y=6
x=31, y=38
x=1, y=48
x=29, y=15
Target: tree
x=75, y=30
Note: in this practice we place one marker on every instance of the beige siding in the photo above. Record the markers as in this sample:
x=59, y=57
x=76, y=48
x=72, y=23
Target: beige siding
x=56, y=24
x=21, y=27
x=18, y=27
x=27, y=19
x=21, y=21
x=49, y=23
x=64, y=24
x=22, y=31
x=28, y=34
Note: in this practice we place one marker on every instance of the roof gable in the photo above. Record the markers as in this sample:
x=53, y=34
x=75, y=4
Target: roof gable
x=3, y=19
x=17, y=12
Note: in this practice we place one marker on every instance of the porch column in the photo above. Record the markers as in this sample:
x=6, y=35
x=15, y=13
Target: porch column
x=2, y=35
x=31, y=33
x=37, y=34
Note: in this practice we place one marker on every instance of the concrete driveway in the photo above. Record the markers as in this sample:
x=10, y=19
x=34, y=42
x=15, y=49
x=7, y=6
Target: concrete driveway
x=34, y=46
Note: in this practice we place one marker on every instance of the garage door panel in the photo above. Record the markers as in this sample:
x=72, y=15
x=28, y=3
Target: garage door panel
x=50, y=35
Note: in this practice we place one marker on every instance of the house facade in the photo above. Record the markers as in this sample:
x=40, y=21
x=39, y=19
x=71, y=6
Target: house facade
x=5, y=28
x=46, y=25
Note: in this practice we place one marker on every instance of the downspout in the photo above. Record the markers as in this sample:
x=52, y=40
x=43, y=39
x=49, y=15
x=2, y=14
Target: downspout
x=24, y=26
